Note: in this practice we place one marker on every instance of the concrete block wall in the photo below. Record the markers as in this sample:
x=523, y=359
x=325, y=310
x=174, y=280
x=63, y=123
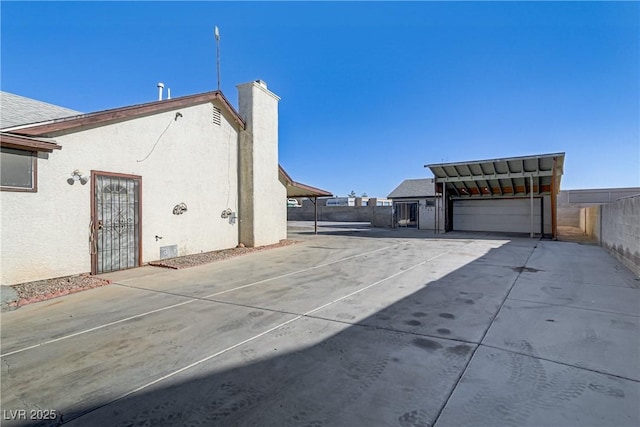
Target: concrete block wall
x=378, y=216
x=617, y=227
x=568, y=215
x=572, y=202
x=589, y=219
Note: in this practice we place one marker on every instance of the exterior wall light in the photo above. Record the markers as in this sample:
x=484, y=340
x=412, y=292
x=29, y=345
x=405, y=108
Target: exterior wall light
x=77, y=175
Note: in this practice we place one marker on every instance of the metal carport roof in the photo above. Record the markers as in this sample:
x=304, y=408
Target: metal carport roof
x=296, y=189
x=526, y=176
x=500, y=177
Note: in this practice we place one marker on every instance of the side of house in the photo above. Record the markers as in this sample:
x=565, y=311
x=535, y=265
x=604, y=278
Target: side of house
x=136, y=184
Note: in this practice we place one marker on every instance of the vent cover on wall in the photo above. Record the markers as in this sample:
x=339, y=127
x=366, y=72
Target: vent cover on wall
x=216, y=116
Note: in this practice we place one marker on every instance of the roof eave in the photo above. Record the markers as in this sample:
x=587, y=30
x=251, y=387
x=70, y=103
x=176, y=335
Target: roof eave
x=26, y=143
x=108, y=116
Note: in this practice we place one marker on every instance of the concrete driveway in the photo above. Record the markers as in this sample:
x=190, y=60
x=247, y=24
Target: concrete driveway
x=352, y=327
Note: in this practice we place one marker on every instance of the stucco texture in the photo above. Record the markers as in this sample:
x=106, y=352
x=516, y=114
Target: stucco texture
x=263, y=212
x=180, y=159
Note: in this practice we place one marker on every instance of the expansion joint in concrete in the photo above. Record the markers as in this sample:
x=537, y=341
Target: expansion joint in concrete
x=473, y=353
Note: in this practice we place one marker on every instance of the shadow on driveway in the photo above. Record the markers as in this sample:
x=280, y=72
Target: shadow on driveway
x=406, y=364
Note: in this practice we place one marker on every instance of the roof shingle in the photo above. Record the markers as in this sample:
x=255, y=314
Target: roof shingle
x=414, y=188
x=17, y=110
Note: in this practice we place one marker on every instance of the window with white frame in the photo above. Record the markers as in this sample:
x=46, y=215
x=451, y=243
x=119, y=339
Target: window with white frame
x=18, y=170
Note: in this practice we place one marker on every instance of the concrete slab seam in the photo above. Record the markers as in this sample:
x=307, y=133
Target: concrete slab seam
x=184, y=302
x=96, y=328
x=299, y=271
x=399, y=331
x=376, y=283
x=474, y=351
x=559, y=362
x=207, y=358
x=575, y=307
x=184, y=368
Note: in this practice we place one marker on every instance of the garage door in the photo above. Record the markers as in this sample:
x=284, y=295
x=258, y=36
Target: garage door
x=501, y=215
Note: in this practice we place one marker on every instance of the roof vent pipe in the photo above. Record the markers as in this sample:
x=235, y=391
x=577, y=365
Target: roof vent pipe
x=160, y=86
x=168, y=93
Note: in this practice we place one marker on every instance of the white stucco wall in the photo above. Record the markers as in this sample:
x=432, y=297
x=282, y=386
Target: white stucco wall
x=46, y=234
x=263, y=212
x=427, y=214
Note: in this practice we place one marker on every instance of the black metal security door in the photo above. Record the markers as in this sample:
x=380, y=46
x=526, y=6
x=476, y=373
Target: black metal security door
x=406, y=214
x=116, y=222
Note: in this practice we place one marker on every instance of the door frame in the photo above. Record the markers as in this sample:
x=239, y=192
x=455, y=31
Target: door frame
x=93, y=226
x=406, y=202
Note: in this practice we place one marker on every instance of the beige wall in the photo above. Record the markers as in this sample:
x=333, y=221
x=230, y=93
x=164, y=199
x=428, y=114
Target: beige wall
x=572, y=202
x=192, y=160
x=263, y=209
x=616, y=226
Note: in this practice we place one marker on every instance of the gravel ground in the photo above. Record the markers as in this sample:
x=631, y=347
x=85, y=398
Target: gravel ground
x=207, y=257
x=41, y=290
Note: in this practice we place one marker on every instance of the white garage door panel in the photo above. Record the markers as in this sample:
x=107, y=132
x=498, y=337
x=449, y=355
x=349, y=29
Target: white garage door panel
x=501, y=215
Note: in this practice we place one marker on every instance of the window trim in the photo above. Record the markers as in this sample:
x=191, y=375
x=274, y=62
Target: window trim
x=34, y=167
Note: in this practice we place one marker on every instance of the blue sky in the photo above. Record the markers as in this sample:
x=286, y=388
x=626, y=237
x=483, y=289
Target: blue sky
x=371, y=91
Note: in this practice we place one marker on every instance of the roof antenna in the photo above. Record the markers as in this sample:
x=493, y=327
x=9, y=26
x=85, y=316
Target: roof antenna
x=216, y=32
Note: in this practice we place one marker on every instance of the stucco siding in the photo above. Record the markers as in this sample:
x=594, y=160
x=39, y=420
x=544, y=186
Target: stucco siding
x=190, y=160
x=263, y=210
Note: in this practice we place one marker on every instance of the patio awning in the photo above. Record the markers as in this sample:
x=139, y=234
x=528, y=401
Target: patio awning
x=296, y=189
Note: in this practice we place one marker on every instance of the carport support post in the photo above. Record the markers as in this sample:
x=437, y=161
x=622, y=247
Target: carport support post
x=444, y=206
x=554, y=231
x=531, y=194
x=315, y=212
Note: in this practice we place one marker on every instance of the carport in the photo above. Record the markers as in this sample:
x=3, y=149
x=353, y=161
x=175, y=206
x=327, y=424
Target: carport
x=296, y=189
x=516, y=194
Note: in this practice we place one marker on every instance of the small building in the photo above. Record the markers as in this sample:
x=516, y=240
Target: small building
x=114, y=189
x=415, y=205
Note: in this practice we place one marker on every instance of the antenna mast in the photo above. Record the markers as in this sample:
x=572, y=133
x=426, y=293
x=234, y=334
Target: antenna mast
x=217, y=34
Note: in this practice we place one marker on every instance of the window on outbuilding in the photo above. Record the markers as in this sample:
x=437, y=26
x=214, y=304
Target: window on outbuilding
x=18, y=170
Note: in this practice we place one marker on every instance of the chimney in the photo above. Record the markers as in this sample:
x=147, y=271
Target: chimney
x=160, y=86
x=262, y=195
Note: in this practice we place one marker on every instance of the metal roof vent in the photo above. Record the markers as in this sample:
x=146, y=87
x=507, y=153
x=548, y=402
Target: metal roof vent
x=262, y=83
x=160, y=87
